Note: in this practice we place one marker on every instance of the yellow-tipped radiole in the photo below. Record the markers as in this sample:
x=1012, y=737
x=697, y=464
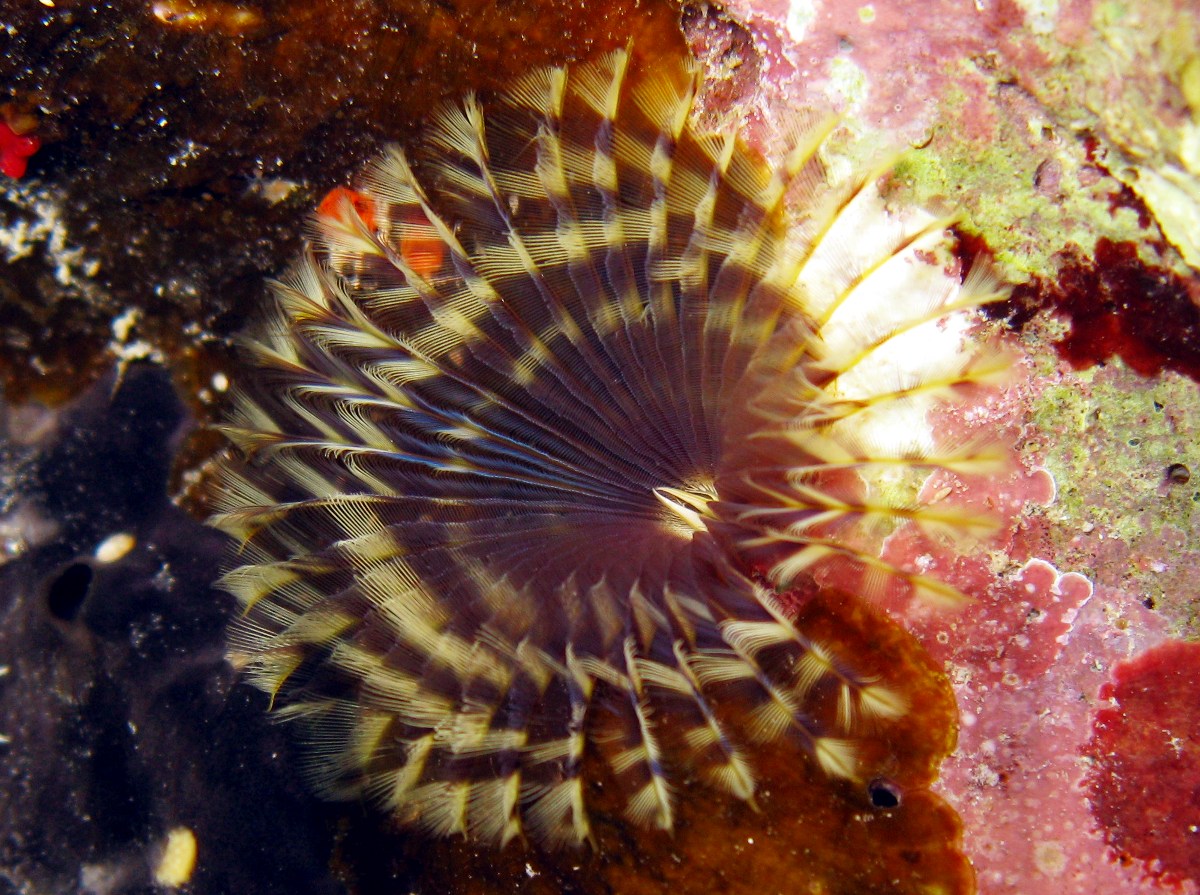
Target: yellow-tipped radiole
x=550, y=404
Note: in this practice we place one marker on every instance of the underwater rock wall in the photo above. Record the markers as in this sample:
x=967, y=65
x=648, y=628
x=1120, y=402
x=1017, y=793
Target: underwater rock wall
x=1065, y=133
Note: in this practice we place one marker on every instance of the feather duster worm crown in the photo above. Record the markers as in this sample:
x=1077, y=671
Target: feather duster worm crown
x=548, y=411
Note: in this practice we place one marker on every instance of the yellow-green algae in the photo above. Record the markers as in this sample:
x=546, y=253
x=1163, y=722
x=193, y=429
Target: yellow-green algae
x=1034, y=169
x=1109, y=437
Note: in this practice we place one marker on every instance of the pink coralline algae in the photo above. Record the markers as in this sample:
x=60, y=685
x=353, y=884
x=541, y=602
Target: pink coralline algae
x=1145, y=785
x=1028, y=660
x=1027, y=665
x=15, y=150
x=806, y=46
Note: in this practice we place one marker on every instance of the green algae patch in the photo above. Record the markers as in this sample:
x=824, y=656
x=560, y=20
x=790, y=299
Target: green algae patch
x=1125, y=453
x=1027, y=201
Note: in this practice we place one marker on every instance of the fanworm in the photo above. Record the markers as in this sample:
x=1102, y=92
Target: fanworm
x=553, y=407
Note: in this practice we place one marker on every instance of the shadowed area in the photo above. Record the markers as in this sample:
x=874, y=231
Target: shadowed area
x=119, y=720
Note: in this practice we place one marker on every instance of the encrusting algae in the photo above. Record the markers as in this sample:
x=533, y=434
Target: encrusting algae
x=560, y=414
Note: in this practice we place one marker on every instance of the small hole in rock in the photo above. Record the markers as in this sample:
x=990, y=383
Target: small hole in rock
x=884, y=793
x=68, y=591
x=1178, y=474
